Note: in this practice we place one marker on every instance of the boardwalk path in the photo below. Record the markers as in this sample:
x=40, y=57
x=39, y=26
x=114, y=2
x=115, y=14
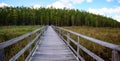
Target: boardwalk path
x=52, y=48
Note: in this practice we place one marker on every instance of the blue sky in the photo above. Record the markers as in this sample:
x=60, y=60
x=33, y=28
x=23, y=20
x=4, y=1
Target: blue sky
x=109, y=8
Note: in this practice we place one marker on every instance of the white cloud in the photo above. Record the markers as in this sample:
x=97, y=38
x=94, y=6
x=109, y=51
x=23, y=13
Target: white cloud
x=116, y=17
x=89, y=1
x=77, y=1
x=103, y=11
x=36, y=6
x=109, y=0
x=65, y=3
x=61, y=4
x=3, y=4
x=110, y=12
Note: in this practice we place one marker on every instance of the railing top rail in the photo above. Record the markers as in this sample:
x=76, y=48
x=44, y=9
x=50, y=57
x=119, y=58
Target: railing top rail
x=14, y=40
x=24, y=49
x=100, y=42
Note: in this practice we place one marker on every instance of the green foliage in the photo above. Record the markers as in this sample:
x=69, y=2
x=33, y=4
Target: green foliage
x=60, y=17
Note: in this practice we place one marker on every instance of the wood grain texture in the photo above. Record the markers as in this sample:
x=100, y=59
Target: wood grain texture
x=52, y=48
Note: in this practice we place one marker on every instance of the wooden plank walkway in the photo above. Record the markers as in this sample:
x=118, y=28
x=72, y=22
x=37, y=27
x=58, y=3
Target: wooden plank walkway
x=52, y=48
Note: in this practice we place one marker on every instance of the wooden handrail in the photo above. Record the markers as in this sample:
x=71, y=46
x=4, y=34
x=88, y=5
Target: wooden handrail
x=114, y=47
x=100, y=42
x=14, y=40
x=86, y=50
x=24, y=49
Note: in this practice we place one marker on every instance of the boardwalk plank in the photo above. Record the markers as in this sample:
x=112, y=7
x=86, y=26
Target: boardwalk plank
x=52, y=48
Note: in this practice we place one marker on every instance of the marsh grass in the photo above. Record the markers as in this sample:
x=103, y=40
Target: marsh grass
x=111, y=35
x=9, y=32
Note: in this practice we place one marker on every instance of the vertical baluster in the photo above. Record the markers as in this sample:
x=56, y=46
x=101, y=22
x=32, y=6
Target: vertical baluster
x=36, y=35
x=42, y=31
x=68, y=41
x=57, y=31
x=115, y=55
x=2, y=55
x=31, y=45
x=78, y=42
x=60, y=32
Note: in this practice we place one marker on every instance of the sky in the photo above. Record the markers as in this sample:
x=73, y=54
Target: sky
x=109, y=8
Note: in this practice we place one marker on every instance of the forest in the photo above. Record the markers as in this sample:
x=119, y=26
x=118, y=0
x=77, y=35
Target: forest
x=52, y=16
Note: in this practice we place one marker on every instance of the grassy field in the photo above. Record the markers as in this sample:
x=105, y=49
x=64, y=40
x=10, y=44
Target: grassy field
x=9, y=32
x=111, y=35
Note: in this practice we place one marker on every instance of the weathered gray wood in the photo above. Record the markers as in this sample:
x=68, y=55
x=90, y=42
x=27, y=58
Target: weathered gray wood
x=115, y=55
x=83, y=48
x=68, y=41
x=78, y=49
x=2, y=55
x=14, y=40
x=24, y=49
x=78, y=56
x=52, y=48
x=100, y=42
x=30, y=41
x=32, y=51
x=115, y=52
x=86, y=50
x=73, y=50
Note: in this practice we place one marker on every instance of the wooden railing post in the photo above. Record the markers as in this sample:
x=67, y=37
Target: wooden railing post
x=60, y=32
x=115, y=55
x=78, y=49
x=37, y=34
x=2, y=55
x=42, y=30
x=31, y=45
x=68, y=41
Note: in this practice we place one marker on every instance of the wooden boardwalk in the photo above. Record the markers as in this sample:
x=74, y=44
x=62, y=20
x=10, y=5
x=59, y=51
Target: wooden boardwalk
x=52, y=48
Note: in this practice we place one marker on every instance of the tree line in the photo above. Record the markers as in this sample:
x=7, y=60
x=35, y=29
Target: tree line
x=52, y=16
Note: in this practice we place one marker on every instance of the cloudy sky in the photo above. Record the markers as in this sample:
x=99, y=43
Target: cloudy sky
x=109, y=8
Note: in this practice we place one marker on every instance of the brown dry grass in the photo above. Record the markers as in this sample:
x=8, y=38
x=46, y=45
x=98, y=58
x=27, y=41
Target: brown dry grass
x=9, y=32
x=111, y=35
